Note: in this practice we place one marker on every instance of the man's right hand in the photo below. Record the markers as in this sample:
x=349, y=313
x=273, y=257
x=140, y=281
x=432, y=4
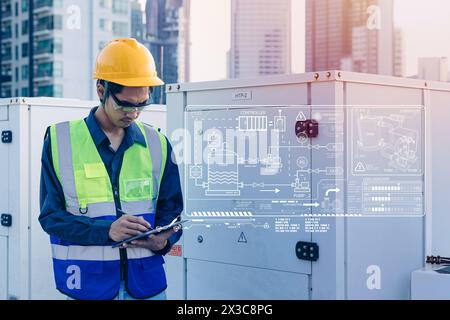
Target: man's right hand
x=126, y=227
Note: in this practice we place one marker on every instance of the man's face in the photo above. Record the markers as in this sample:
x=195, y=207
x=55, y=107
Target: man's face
x=133, y=95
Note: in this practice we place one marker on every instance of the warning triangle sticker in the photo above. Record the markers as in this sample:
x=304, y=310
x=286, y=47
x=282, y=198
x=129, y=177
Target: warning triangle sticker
x=360, y=167
x=301, y=117
x=242, y=238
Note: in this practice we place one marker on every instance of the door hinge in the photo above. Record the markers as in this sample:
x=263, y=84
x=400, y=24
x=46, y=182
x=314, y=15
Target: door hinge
x=6, y=220
x=307, y=128
x=307, y=251
x=7, y=136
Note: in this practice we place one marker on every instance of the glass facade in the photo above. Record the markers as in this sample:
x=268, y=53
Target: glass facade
x=55, y=26
x=162, y=41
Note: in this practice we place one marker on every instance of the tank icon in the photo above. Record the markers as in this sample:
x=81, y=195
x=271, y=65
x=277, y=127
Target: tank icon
x=223, y=174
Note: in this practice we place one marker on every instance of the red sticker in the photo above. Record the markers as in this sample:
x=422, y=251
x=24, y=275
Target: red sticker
x=175, y=251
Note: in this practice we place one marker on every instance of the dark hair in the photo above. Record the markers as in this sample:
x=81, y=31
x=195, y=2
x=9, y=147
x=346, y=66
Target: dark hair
x=113, y=88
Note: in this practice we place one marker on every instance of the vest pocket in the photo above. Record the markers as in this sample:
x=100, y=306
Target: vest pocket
x=92, y=267
x=95, y=263
x=151, y=262
x=83, y=279
x=136, y=189
x=146, y=276
x=92, y=186
x=94, y=170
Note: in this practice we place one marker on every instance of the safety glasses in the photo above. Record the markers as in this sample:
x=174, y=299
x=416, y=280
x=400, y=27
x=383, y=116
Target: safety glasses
x=126, y=106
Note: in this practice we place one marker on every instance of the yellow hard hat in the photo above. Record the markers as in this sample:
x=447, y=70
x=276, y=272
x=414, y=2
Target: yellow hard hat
x=128, y=63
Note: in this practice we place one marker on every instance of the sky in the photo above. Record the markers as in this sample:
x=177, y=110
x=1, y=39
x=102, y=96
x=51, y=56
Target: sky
x=426, y=27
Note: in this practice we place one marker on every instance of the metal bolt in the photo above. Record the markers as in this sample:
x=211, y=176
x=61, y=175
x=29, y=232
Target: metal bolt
x=339, y=74
x=328, y=74
x=178, y=87
x=170, y=88
x=316, y=76
x=200, y=239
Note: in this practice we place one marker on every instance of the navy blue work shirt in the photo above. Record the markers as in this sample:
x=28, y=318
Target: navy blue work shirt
x=54, y=218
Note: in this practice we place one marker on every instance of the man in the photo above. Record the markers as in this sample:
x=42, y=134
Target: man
x=109, y=177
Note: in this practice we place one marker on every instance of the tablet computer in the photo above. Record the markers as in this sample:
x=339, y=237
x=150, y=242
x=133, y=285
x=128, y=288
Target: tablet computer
x=147, y=233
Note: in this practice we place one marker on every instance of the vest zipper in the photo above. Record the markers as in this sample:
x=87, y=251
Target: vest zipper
x=116, y=193
x=122, y=251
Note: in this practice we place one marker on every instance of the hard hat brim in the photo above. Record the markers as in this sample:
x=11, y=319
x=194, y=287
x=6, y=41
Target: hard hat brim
x=137, y=82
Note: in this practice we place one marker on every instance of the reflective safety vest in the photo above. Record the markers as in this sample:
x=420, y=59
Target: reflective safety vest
x=93, y=272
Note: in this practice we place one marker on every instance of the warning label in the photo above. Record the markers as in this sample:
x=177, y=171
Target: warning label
x=360, y=167
x=175, y=251
x=242, y=238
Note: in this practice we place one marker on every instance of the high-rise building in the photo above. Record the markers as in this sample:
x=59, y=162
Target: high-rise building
x=163, y=27
x=355, y=35
x=260, y=38
x=137, y=21
x=184, y=43
x=65, y=38
x=399, y=53
x=328, y=34
x=153, y=18
x=433, y=68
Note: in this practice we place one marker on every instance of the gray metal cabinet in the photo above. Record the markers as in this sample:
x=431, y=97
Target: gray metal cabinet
x=259, y=192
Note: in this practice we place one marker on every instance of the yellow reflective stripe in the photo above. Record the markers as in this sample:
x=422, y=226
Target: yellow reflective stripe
x=54, y=145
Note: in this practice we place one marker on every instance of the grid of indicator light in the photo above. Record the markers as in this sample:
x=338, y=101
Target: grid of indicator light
x=386, y=188
x=396, y=201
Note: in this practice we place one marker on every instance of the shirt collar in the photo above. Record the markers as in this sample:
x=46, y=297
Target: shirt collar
x=132, y=133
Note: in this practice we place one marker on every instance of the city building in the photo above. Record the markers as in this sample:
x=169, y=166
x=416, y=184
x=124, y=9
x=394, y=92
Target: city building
x=260, y=38
x=66, y=37
x=353, y=35
x=137, y=21
x=433, y=68
x=162, y=39
x=399, y=53
x=184, y=43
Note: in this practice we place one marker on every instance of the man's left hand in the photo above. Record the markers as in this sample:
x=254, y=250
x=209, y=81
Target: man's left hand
x=154, y=242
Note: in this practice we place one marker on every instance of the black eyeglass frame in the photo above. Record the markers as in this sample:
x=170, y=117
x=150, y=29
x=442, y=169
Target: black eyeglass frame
x=126, y=106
